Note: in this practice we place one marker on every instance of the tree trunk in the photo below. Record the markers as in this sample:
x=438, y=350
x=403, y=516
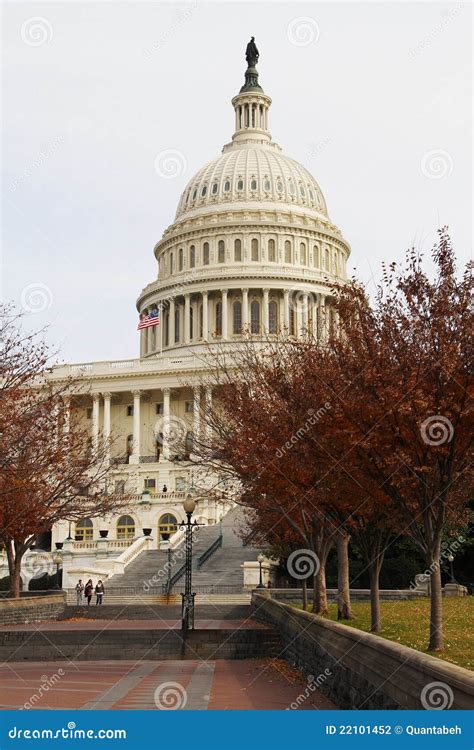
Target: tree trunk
x=305, y=595
x=14, y=565
x=343, y=588
x=436, y=615
x=320, y=601
x=375, y=620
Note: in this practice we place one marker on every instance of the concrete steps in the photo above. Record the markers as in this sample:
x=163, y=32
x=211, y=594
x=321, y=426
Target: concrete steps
x=161, y=599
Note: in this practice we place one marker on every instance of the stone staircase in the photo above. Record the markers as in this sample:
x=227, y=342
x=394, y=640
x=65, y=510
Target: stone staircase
x=219, y=580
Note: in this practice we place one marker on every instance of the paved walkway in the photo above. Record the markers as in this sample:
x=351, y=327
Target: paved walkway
x=247, y=684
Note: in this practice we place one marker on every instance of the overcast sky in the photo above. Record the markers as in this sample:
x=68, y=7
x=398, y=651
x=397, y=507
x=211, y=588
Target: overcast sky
x=373, y=98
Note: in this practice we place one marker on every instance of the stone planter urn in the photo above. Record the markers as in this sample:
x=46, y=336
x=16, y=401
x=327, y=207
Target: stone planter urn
x=59, y=545
x=103, y=533
x=147, y=532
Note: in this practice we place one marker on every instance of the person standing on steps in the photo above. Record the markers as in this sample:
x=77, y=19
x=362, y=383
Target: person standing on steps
x=79, y=592
x=88, y=591
x=99, y=593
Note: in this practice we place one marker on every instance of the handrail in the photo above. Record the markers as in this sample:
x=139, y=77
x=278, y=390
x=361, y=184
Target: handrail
x=210, y=551
x=167, y=587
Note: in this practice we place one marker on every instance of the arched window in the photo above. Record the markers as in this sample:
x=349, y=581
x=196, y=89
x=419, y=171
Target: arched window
x=205, y=254
x=316, y=256
x=192, y=256
x=200, y=321
x=254, y=247
x=255, y=316
x=287, y=251
x=272, y=316
x=271, y=251
x=237, y=251
x=327, y=259
x=215, y=188
x=167, y=526
x=180, y=259
x=237, y=316
x=176, y=325
x=302, y=254
x=220, y=251
x=240, y=185
x=84, y=530
x=218, y=318
x=125, y=527
x=171, y=263
x=226, y=186
x=191, y=323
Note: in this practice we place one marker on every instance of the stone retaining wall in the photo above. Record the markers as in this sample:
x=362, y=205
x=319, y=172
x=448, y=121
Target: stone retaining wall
x=359, y=670
x=357, y=595
x=32, y=609
x=135, y=644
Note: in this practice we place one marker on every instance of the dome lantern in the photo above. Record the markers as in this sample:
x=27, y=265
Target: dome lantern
x=251, y=105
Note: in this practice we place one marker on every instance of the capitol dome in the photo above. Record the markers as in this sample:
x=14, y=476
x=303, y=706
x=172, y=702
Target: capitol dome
x=252, y=248
x=252, y=174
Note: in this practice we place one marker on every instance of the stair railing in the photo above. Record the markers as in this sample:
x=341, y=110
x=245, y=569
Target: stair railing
x=210, y=551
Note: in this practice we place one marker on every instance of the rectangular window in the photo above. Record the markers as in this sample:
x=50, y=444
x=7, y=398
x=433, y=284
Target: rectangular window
x=129, y=411
x=189, y=407
x=150, y=484
x=119, y=486
x=180, y=484
x=89, y=412
x=159, y=408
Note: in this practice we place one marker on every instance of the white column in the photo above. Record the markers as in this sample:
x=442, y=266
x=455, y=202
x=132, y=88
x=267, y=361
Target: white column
x=266, y=321
x=224, y=314
x=106, y=433
x=197, y=412
x=143, y=342
x=67, y=414
x=205, y=316
x=135, y=457
x=166, y=423
x=304, y=315
x=207, y=411
x=322, y=319
x=171, y=323
x=245, y=309
x=150, y=339
x=187, y=307
x=286, y=310
x=95, y=423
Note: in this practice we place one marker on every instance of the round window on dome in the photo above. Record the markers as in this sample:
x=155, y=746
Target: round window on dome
x=240, y=185
x=291, y=187
x=302, y=192
x=311, y=194
x=267, y=186
x=253, y=184
x=226, y=186
x=215, y=188
x=195, y=192
x=279, y=186
x=203, y=191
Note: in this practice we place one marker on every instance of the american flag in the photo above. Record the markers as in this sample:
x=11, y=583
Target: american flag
x=152, y=319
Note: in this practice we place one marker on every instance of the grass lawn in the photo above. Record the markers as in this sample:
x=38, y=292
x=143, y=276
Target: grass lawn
x=407, y=622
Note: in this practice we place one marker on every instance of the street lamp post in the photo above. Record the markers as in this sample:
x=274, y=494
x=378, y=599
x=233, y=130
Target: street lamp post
x=57, y=559
x=260, y=560
x=168, y=583
x=451, y=560
x=187, y=606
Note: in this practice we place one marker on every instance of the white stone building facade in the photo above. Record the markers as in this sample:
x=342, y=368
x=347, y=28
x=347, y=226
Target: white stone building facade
x=251, y=250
